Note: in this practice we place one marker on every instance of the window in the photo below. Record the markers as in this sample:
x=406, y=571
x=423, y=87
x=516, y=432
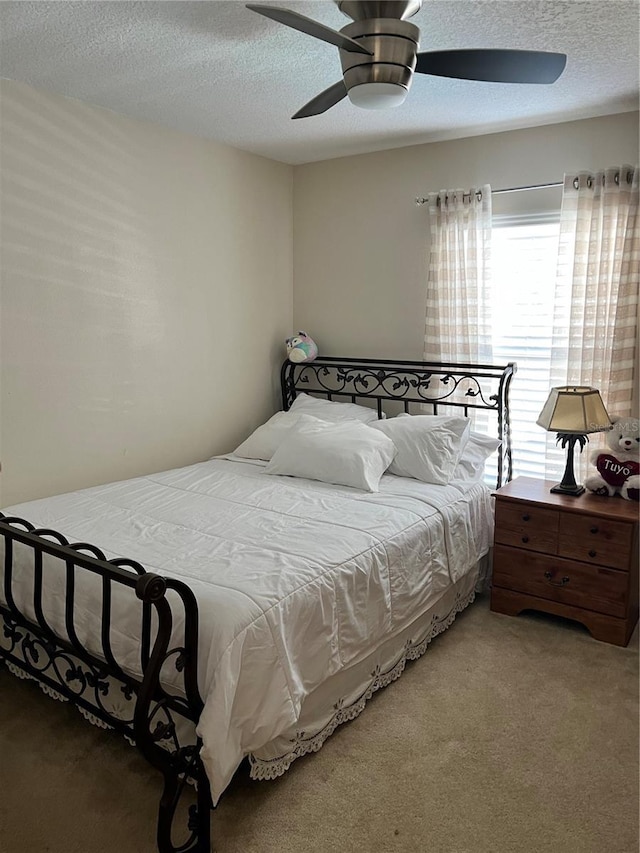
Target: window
x=524, y=257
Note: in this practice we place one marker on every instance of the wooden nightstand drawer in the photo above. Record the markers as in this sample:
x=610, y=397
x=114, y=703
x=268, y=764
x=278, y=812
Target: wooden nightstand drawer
x=595, y=588
x=527, y=526
x=595, y=540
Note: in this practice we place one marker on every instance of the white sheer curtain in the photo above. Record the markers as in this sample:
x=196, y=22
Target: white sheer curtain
x=458, y=312
x=596, y=296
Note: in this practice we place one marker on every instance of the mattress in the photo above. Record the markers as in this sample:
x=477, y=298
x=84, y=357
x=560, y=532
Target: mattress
x=297, y=581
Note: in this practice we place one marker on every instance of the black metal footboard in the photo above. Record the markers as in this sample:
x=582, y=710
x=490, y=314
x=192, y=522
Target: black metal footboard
x=152, y=703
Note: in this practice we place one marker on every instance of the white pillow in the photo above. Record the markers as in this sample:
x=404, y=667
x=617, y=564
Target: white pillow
x=329, y=410
x=471, y=464
x=348, y=453
x=429, y=446
x=266, y=439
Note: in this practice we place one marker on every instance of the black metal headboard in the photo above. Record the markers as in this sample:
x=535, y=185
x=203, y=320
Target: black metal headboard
x=464, y=386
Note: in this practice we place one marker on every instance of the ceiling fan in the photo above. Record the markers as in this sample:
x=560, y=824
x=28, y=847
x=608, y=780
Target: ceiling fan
x=379, y=54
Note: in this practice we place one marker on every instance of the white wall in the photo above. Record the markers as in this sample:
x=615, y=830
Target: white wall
x=361, y=243
x=146, y=293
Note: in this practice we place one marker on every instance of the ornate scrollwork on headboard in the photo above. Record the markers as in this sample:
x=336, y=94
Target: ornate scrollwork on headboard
x=466, y=386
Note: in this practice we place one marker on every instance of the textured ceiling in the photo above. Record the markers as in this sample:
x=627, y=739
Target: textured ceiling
x=218, y=70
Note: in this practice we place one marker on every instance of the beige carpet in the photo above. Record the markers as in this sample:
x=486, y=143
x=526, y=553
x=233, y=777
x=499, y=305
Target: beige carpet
x=508, y=736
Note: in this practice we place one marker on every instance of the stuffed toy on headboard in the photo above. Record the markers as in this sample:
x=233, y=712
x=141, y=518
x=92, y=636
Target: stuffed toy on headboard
x=301, y=348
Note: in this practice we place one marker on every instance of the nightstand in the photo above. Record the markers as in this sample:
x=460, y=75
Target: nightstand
x=574, y=557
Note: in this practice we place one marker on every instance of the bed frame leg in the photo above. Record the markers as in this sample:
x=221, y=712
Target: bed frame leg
x=199, y=822
x=203, y=816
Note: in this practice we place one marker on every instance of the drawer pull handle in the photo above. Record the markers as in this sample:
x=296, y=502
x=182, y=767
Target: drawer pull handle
x=526, y=517
x=525, y=539
x=592, y=553
x=593, y=530
x=549, y=576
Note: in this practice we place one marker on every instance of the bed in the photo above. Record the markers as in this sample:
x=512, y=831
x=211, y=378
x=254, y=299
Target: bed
x=253, y=613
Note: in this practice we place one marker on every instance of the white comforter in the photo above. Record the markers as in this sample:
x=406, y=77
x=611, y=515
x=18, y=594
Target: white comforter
x=295, y=579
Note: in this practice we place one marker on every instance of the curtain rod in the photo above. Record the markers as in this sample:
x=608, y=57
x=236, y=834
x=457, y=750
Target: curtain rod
x=510, y=190
x=576, y=183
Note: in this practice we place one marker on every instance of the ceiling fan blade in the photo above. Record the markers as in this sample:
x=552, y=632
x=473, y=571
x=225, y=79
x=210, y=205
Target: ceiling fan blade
x=324, y=101
x=310, y=27
x=494, y=66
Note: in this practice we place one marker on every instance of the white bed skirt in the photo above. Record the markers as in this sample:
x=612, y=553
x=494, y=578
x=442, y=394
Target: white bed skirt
x=344, y=696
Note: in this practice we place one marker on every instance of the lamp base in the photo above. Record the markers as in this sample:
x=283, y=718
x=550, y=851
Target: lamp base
x=568, y=486
x=574, y=490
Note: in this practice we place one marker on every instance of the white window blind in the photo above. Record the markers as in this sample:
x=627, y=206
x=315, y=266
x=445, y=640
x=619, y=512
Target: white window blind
x=524, y=257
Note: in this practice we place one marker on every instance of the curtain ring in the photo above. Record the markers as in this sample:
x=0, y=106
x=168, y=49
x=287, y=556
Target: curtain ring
x=479, y=195
x=589, y=181
x=616, y=179
x=629, y=177
x=576, y=183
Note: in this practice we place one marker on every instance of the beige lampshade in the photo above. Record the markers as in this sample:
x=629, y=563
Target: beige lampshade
x=574, y=409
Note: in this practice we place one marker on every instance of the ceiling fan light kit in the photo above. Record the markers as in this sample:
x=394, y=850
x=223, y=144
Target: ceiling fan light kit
x=377, y=96
x=379, y=56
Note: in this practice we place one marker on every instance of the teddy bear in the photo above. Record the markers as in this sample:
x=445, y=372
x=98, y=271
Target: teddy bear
x=618, y=471
x=301, y=348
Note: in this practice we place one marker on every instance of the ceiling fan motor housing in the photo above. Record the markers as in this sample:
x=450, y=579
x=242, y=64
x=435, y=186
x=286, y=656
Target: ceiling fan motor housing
x=393, y=43
x=361, y=10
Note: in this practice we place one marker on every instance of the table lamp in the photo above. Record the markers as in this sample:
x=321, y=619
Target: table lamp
x=573, y=411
